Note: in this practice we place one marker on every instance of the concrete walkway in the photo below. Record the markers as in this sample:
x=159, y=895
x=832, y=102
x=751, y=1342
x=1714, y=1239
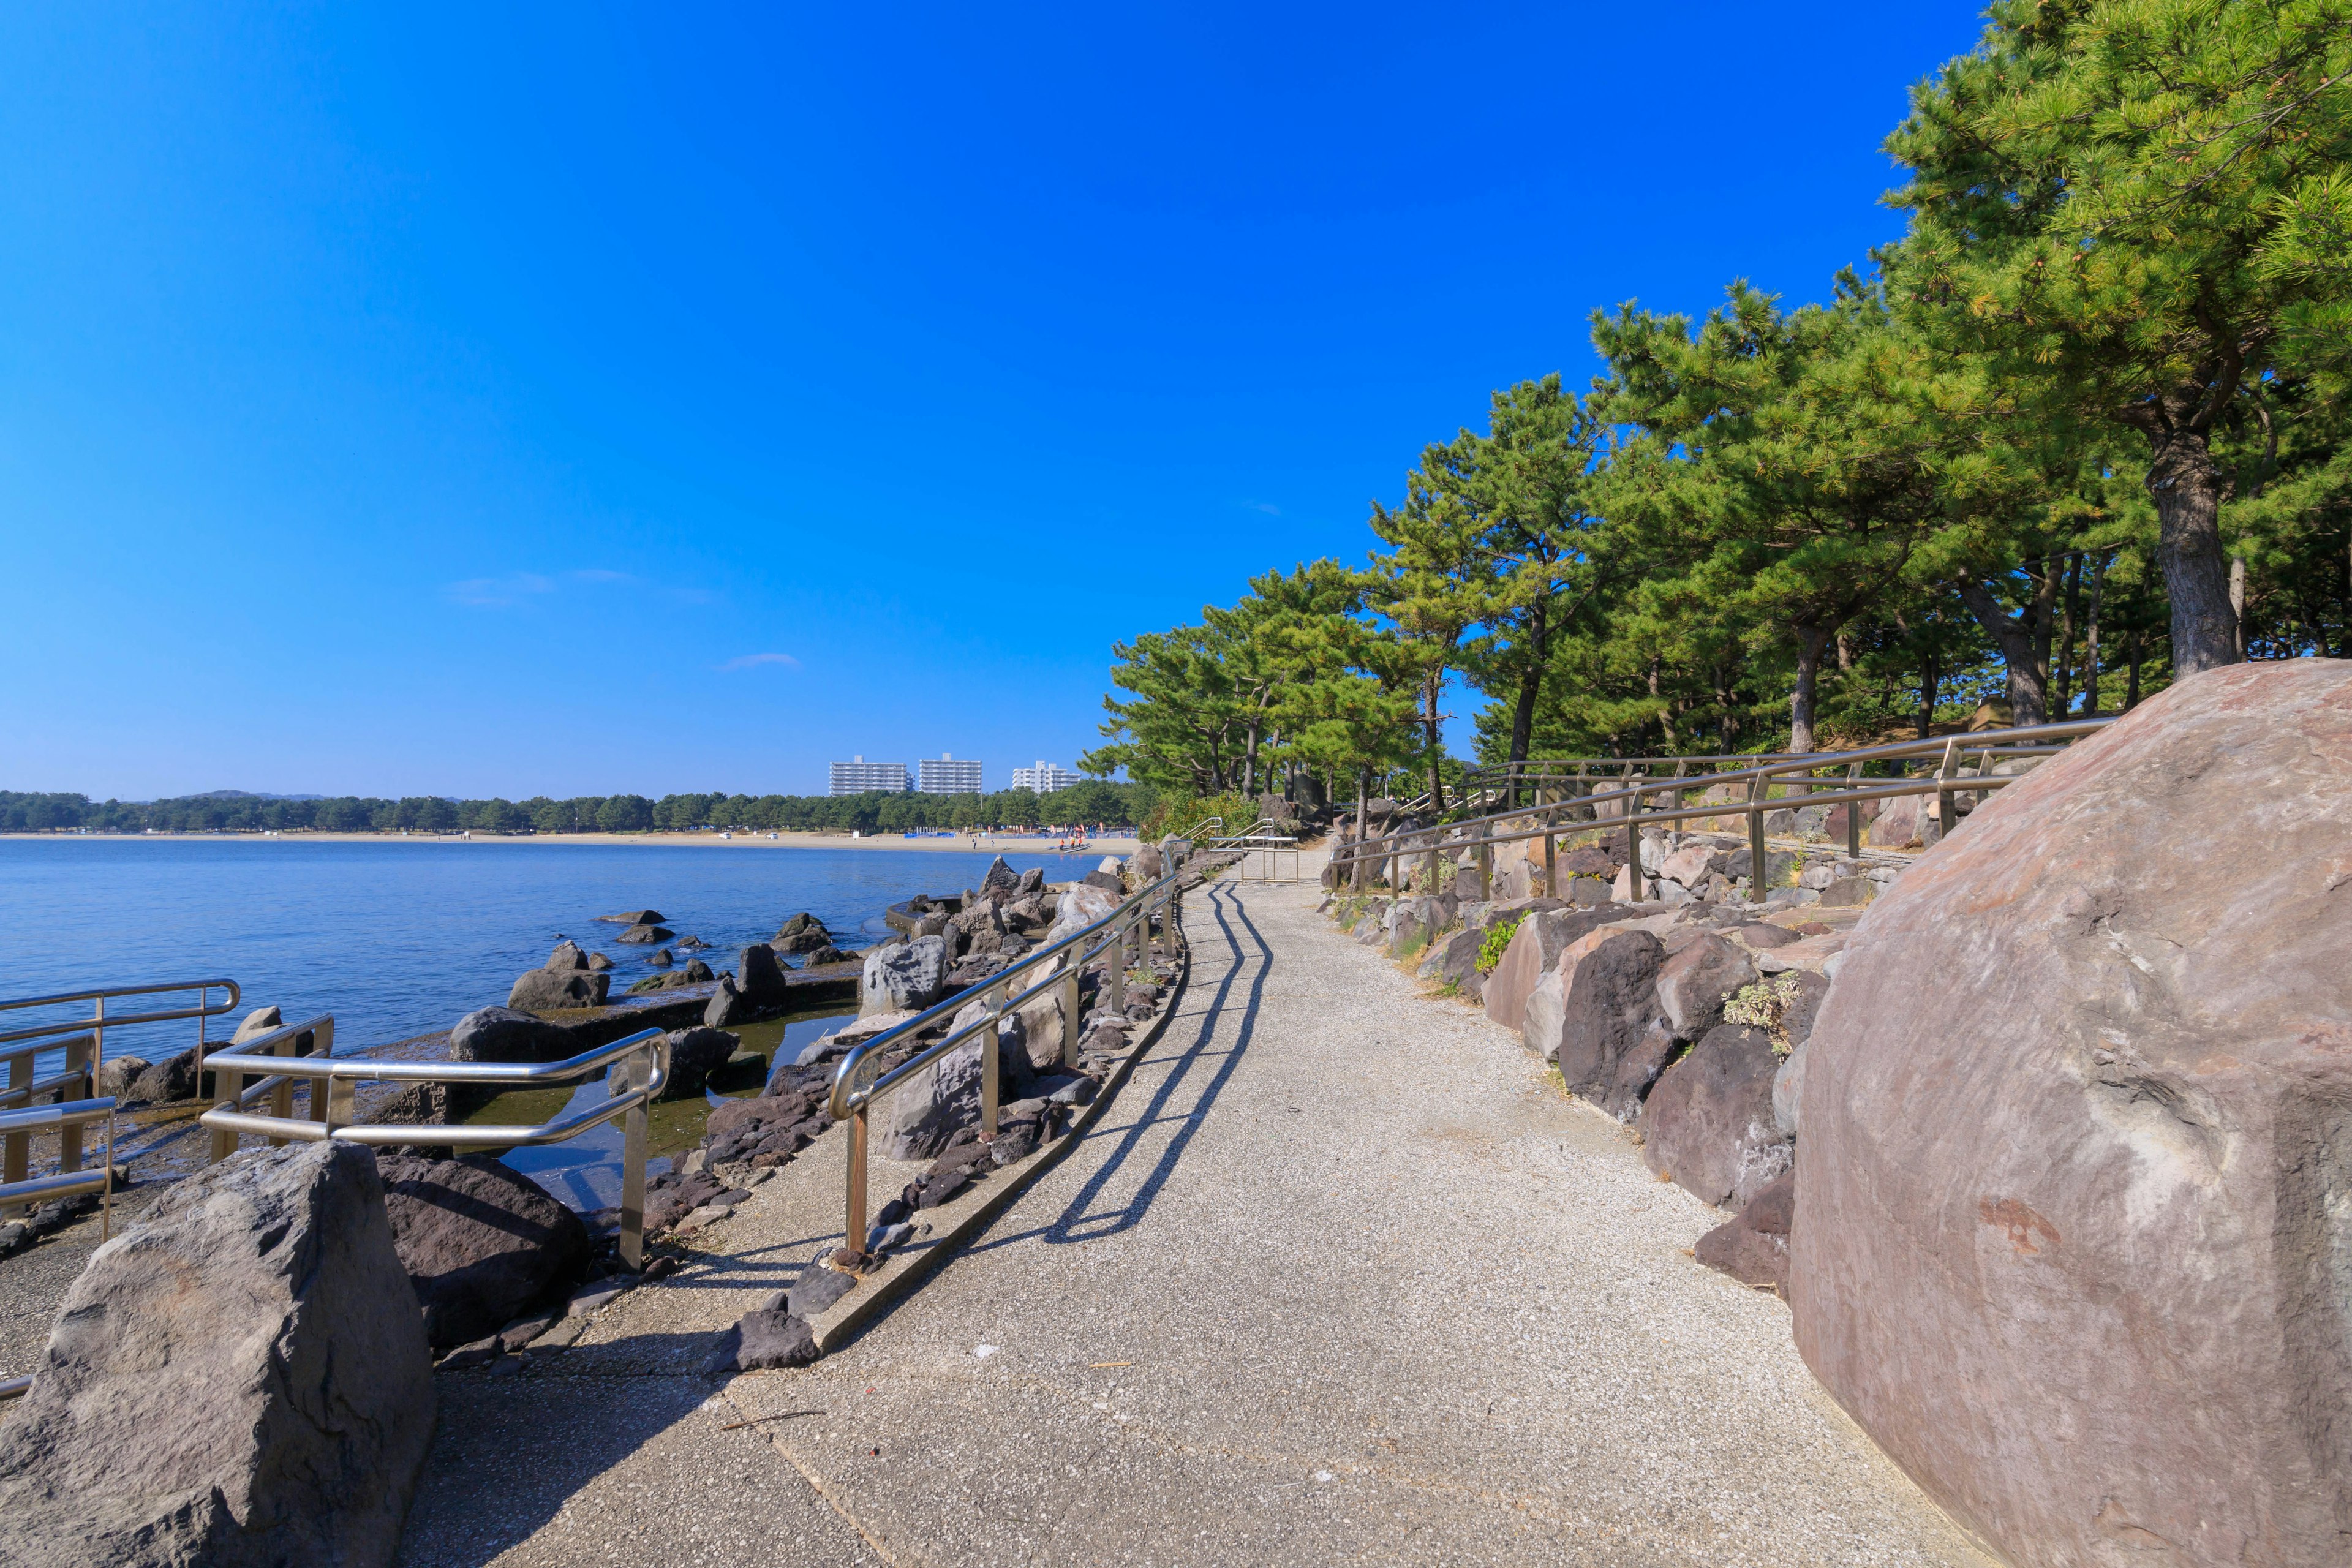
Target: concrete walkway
x=1340, y=1276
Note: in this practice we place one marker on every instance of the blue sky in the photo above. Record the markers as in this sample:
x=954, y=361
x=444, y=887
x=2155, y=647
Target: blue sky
x=571, y=400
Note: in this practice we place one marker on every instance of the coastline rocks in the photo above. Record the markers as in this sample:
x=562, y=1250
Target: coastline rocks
x=1147, y=865
x=826, y=954
x=759, y=977
x=551, y=990
x=646, y=935
x=661, y=958
x=904, y=977
x=923, y=1113
x=598, y=961
x=694, y=1055
x=172, y=1078
x=1608, y=999
x=1709, y=1124
x=116, y=1076
x=763, y=1339
x=568, y=955
x=727, y=1007
x=802, y=933
x=1000, y=877
x=258, y=1022
x=239, y=1378
x=505, y=1035
x=1693, y=983
x=2078, y=1264
x=479, y=1241
x=633, y=917
x=1080, y=908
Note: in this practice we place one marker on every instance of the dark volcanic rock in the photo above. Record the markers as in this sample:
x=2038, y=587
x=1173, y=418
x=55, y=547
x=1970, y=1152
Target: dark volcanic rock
x=504, y=1034
x=172, y=1078
x=828, y=954
x=759, y=977
x=1753, y=1247
x=764, y=1338
x=662, y=958
x=633, y=917
x=240, y=1378
x=480, y=1241
x=2077, y=1131
x=694, y=1055
x=1608, y=1000
x=646, y=935
x=553, y=990
x=1709, y=1122
x=817, y=1289
x=1693, y=983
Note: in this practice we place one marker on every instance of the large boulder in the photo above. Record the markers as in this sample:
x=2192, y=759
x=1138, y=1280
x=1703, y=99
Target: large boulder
x=905, y=976
x=258, y=1022
x=2078, y=1136
x=646, y=935
x=1709, y=1122
x=1146, y=866
x=1533, y=953
x=921, y=1114
x=694, y=1055
x=568, y=955
x=1609, y=1000
x=506, y=1035
x=999, y=879
x=1080, y=908
x=1905, y=821
x=172, y=1078
x=1752, y=1247
x=558, y=990
x=759, y=977
x=239, y=1378
x=1693, y=983
x=479, y=1241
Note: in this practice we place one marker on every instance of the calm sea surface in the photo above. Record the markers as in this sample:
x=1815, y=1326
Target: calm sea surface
x=399, y=939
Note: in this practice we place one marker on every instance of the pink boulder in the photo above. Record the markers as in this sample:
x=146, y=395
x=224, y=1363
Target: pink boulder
x=2073, y=1226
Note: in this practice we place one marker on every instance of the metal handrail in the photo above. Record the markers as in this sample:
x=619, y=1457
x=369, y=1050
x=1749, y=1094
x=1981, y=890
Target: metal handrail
x=99, y=1020
x=645, y=1074
x=69, y=1181
x=2026, y=740
x=1193, y=834
x=856, y=1086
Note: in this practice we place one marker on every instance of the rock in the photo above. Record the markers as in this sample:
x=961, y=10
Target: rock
x=567, y=956
x=1709, y=1122
x=1031, y=881
x=1848, y=893
x=117, y=1074
x=1534, y=949
x=978, y=928
x=239, y=1378
x=1691, y=865
x=1146, y=866
x=904, y=977
x=1694, y=983
x=598, y=961
x=696, y=973
x=1080, y=908
x=505, y=1035
x=1456, y=959
x=817, y=1289
x=765, y=1339
x=826, y=955
x=646, y=935
x=727, y=1007
x=923, y=1113
x=691, y=943
x=662, y=958
x=633, y=917
x=1175, y=851
x=1412, y=924
x=2101, y=1315
x=256, y=1024
x=551, y=991
x=1761, y=936
x=800, y=925
x=1753, y=1247
x=1905, y=820
x=759, y=978
x=1609, y=999
x=172, y=1078
x=480, y=1241
x=694, y=1055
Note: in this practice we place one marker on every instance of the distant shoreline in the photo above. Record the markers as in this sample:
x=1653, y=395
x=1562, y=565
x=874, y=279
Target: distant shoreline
x=988, y=843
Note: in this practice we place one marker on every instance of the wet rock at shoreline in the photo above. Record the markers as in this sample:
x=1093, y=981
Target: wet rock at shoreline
x=598, y=961
x=661, y=958
x=759, y=977
x=568, y=955
x=694, y=1055
x=551, y=990
x=903, y=976
x=506, y=1035
x=691, y=944
x=633, y=917
x=153, y=1433
x=828, y=954
x=258, y=1022
x=646, y=935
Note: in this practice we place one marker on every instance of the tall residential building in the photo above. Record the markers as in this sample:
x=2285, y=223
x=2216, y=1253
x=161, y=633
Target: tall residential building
x=948, y=776
x=1044, y=778
x=858, y=776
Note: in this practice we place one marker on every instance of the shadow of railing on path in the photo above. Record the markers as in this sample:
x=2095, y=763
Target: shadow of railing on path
x=1076, y=1223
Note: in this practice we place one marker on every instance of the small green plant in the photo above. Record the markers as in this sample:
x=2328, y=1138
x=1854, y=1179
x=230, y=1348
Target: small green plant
x=1764, y=1005
x=1498, y=937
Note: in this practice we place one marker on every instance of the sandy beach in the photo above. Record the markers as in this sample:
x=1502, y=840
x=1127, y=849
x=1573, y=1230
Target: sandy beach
x=1003, y=843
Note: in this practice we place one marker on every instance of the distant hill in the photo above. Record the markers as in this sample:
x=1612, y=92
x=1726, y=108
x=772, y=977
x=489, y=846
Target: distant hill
x=248, y=795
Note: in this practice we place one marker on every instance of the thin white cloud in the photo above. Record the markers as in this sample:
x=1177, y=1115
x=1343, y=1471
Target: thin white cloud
x=495, y=592
x=752, y=661
x=1266, y=507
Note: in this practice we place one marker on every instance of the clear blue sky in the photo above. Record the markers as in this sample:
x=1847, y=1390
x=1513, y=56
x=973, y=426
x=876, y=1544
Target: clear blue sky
x=571, y=400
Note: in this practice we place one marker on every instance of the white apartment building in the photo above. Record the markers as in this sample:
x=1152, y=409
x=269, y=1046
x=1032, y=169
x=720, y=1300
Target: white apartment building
x=945, y=775
x=858, y=776
x=1044, y=778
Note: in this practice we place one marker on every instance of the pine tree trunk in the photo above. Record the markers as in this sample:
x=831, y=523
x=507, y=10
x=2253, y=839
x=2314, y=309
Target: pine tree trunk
x=2026, y=688
x=1435, y=725
x=1930, y=678
x=1811, y=642
x=1523, y=722
x=2062, y=672
x=2091, y=643
x=2187, y=489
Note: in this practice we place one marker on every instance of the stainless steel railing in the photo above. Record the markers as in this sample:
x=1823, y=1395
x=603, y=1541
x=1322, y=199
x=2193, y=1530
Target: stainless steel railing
x=860, y=1081
x=69, y=1182
x=641, y=1062
x=1480, y=833
x=83, y=1040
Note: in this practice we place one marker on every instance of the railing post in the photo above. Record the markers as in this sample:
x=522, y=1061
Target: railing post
x=225, y=1087
x=993, y=1004
x=632, y=1163
x=1852, y=814
x=1356, y=859
x=78, y=1058
x=854, y=1227
x=1115, y=982
x=281, y=1098
x=1485, y=853
x=1071, y=1002
x=1551, y=866
x=1756, y=798
x=1632, y=805
x=1947, y=809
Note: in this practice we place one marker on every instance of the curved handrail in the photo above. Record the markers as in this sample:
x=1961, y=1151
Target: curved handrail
x=205, y=1010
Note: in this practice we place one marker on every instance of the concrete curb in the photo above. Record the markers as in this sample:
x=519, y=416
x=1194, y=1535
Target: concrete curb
x=957, y=1221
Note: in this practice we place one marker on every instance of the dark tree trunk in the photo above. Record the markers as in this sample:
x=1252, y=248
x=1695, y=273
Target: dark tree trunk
x=2091, y=642
x=2131, y=683
x=1523, y=722
x=2062, y=672
x=1930, y=678
x=1812, y=641
x=2027, y=681
x=2187, y=489
x=1435, y=725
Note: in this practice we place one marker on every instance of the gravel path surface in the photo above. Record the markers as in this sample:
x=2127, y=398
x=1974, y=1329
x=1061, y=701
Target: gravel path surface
x=1340, y=1277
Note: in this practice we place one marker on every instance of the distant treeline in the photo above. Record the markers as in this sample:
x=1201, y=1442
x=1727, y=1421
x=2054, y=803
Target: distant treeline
x=1120, y=804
